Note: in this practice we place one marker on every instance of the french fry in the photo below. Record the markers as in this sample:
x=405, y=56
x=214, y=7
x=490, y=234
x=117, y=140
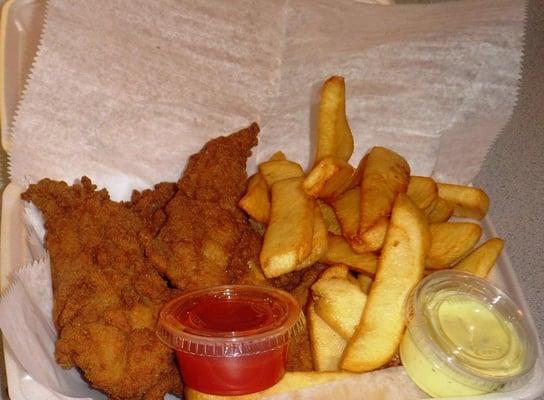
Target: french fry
x=277, y=170
x=340, y=252
x=365, y=282
x=480, y=261
x=385, y=174
x=319, y=241
x=288, y=238
x=290, y=382
x=331, y=221
x=438, y=211
x=400, y=268
x=256, y=200
x=467, y=201
x=346, y=208
x=422, y=190
x=334, y=136
x=450, y=241
x=327, y=345
x=372, y=239
x=329, y=178
x=335, y=271
x=340, y=303
x=277, y=156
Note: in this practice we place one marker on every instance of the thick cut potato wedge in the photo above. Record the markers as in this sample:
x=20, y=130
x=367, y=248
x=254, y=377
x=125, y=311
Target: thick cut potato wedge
x=331, y=222
x=438, y=211
x=335, y=271
x=334, y=136
x=278, y=156
x=340, y=252
x=320, y=241
x=450, y=241
x=422, y=190
x=327, y=345
x=273, y=171
x=346, y=208
x=329, y=178
x=365, y=282
x=372, y=239
x=256, y=201
x=400, y=268
x=385, y=174
x=340, y=302
x=290, y=382
x=289, y=236
x=480, y=261
x=467, y=201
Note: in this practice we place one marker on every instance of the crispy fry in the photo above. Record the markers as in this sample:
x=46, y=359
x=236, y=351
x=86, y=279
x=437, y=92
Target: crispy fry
x=340, y=302
x=372, y=239
x=329, y=178
x=480, y=261
x=288, y=238
x=327, y=345
x=346, y=208
x=334, y=136
x=438, y=211
x=319, y=241
x=422, y=190
x=290, y=382
x=400, y=268
x=331, y=222
x=335, y=271
x=450, y=241
x=466, y=201
x=365, y=282
x=278, y=156
x=385, y=174
x=277, y=170
x=339, y=252
x=256, y=200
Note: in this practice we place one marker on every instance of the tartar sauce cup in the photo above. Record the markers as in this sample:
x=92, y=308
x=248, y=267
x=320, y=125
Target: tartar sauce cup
x=464, y=336
x=231, y=340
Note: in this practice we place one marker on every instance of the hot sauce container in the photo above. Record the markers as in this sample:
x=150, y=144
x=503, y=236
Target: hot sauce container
x=231, y=340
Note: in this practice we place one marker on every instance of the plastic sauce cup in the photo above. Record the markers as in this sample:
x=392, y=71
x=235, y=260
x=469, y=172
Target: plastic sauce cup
x=464, y=337
x=231, y=340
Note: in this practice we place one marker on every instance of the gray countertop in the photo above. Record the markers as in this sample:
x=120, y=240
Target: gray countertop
x=512, y=175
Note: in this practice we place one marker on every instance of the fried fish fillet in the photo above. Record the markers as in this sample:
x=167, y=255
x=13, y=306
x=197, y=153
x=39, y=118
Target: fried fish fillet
x=106, y=294
x=205, y=235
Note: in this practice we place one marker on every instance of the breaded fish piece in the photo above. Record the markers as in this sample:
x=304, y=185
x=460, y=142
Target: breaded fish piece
x=107, y=296
x=198, y=246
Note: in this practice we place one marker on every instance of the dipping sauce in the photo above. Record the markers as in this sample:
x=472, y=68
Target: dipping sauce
x=465, y=337
x=231, y=340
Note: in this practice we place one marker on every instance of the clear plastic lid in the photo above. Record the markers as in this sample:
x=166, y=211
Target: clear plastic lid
x=472, y=328
x=230, y=321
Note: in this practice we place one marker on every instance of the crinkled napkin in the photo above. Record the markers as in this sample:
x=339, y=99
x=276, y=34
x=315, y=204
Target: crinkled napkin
x=125, y=91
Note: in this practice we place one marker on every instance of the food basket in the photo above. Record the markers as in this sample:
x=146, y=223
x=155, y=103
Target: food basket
x=21, y=25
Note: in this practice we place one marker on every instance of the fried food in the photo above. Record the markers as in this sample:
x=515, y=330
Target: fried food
x=289, y=236
x=480, y=261
x=450, y=241
x=466, y=201
x=334, y=137
x=107, y=296
x=204, y=226
x=400, y=268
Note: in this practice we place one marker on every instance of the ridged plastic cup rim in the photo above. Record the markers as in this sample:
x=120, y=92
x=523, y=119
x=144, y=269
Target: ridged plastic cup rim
x=175, y=335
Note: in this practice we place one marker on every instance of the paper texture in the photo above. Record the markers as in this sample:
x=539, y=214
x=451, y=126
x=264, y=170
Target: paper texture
x=131, y=89
x=125, y=91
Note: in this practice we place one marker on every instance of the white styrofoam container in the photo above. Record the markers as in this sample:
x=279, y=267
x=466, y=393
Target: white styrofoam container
x=20, y=31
